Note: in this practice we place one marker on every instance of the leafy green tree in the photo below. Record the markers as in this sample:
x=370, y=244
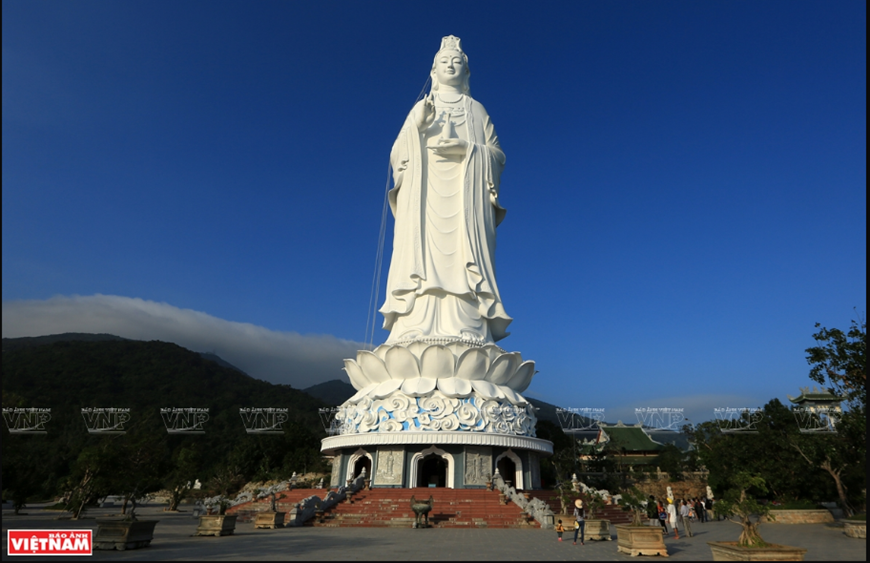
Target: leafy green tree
x=185, y=464
x=839, y=362
x=672, y=461
x=767, y=452
x=740, y=503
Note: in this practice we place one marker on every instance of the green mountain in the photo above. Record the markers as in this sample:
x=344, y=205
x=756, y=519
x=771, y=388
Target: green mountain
x=333, y=392
x=103, y=371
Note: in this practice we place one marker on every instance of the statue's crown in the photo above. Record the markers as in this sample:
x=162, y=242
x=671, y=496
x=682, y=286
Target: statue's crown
x=451, y=42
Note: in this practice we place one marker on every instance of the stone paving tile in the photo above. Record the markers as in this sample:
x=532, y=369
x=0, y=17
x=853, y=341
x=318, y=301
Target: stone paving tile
x=174, y=541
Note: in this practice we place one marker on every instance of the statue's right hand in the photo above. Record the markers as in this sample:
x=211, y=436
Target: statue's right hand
x=402, y=166
x=425, y=113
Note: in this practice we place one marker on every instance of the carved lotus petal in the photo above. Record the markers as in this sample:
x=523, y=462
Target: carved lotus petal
x=419, y=386
x=417, y=348
x=437, y=361
x=454, y=387
x=381, y=351
x=372, y=366
x=511, y=396
x=503, y=368
x=487, y=389
x=357, y=377
x=401, y=363
x=472, y=364
x=382, y=390
x=523, y=377
x=362, y=393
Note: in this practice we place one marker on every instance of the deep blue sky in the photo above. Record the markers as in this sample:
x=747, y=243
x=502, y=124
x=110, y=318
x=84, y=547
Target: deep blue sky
x=685, y=181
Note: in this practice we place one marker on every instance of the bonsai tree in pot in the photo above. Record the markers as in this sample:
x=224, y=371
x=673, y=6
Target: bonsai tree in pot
x=738, y=504
x=740, y=507
x=634, y=500
x=635, y=538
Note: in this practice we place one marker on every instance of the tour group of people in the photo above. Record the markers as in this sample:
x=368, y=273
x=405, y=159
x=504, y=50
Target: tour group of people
x=678, y=513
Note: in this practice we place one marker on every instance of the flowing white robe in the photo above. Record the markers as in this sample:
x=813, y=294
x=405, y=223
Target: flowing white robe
x=441, y=282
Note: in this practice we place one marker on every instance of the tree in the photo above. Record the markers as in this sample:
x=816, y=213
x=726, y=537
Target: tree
x=839, y=362
x=766, y=451
x=738, y=502
x=185, y=464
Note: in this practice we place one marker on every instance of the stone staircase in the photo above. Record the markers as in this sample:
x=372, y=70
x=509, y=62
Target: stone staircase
x=452, y=508
x=614, y=513
x=247, y=511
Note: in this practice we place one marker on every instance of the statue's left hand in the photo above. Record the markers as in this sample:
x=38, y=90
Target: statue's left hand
x=450, y=146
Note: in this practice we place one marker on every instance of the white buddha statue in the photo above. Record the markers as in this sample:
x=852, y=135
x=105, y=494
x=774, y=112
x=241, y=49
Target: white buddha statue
x=446, y=168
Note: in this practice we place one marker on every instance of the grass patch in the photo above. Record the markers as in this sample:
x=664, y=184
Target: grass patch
x=858, y=517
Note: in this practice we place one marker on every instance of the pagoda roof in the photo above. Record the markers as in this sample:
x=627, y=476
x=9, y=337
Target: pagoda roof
x=815, y=395
x=632, y=438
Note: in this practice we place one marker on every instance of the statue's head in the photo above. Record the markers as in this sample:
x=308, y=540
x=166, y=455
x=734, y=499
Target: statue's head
x=450, y=65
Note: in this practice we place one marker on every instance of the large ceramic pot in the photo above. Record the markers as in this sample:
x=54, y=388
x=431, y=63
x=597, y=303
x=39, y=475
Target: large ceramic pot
x=216, y=525
x=730, y=551
x=598, y=530
x=269, y=520
x=124, y=534
x=640, y=540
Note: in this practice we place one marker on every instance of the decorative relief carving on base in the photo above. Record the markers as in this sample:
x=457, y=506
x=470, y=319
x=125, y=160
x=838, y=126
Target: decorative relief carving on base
x=335, y=478
x=478, y=465
x=390, y=466
x=436, y=412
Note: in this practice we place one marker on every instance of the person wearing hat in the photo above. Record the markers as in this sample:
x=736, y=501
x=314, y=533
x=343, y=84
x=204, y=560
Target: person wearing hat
x=579, y=521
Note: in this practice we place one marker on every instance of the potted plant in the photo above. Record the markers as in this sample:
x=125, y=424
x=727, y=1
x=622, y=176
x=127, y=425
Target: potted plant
x=125, y=533
x=216, y=522
x=636, y=538
x=271, y=518
x=596, y=529
x=740, y=507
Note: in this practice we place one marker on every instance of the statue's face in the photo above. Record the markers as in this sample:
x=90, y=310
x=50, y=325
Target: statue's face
x=450, y=68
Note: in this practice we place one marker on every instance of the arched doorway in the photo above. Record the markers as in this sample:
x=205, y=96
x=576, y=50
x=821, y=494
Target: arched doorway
x=362, y=463
x=434, y=468
x=507, y=468
x=356, y=462
x=510, y=467
x=432, y=471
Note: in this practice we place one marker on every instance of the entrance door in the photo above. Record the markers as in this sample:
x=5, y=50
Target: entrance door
x=433, y=471
x=508, y=470
x=363, y=462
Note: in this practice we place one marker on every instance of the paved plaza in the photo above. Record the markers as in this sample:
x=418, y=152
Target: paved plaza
x=173, y=541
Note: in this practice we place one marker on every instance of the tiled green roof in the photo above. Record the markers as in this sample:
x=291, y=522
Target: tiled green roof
x=631, y=438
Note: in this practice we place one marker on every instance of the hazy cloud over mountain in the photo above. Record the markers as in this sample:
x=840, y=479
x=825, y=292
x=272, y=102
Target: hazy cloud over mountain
x=278, y=357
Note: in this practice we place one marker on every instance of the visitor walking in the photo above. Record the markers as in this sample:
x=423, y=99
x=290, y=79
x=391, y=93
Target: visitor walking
x=579, y=521
x=663, y=516
x=684, y=516
x=700, y=511
x=673, y=518
x=560, y=529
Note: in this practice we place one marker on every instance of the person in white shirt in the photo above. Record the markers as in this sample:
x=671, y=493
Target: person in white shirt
x=673, y=518
x=684, y=516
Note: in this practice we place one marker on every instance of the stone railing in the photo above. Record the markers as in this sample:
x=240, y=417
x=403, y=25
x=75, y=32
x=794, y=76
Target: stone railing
x=308, y=507
x=535, y=507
